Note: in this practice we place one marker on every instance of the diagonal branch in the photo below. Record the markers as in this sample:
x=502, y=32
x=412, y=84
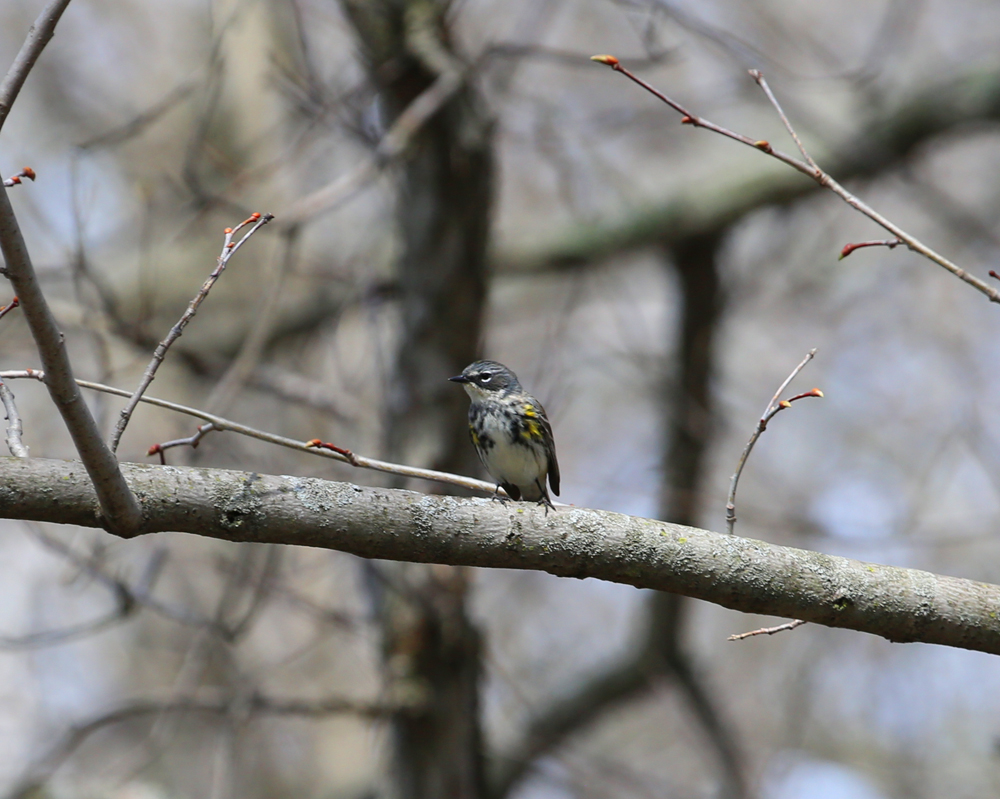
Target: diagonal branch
x=118, y=506
x=38, y=36
x=808, y=168
x=229, y=249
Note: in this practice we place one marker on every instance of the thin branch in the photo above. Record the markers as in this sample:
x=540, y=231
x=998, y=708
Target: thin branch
x=774, y=407
x=816, y=174
x=256, y=338
x=191, y=441
x=896, y=603
x=6, y=309
x=14, y=427
x=314, y=447
x=758, y=76
x=229, y=249
x=132, y=597
x=791, y=625
x=15, y=180
x=38, y=36
x=392, y=145
x=144, y=708
x=849, y=248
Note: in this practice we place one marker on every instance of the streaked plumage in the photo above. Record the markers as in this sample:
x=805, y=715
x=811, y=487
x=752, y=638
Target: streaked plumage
x=510, y=432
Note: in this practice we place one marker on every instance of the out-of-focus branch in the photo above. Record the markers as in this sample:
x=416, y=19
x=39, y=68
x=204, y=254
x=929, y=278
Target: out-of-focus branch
x=392, y=144
x=314, y=447
x=14, y=427
x=38, y=36
x=258, y=704
x=808, y=168
x=229, y=249
x=746, y=575
x=132, y=597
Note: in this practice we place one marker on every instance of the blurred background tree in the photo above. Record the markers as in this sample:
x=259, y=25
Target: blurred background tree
x=652, y=284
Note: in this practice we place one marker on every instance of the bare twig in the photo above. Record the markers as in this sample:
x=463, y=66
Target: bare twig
x=263, y=322
x=222, y=425
x=806, y=167
x=43, y=770
x=15, y=180
x=190, y=441
x=38, y=36
x=849, y=248
x=6, y=309
x=774, y=407
x=758, y=76
x=791, y=625
x=229, y=249
x=14, y=428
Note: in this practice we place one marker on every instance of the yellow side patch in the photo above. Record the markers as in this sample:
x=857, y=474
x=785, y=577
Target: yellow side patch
x=475, y=438
x=529, y=410
x=532, y=431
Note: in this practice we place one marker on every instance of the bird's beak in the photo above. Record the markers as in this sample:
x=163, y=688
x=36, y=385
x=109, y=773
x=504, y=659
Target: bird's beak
x=459, y=379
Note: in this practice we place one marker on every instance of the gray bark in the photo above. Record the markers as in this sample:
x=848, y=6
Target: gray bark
x=904, y=605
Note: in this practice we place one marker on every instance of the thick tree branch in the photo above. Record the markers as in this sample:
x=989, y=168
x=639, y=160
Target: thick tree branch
x=121, y=512
x=899, y=604
x=119, y=507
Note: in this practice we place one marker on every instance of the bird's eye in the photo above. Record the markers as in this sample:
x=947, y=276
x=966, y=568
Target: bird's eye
x=485, y=378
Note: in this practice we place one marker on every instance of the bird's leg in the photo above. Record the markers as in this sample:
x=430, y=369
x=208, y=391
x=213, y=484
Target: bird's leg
x=545, y=500
x=503, y=499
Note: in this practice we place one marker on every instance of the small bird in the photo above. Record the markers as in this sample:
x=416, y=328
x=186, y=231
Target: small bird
x=510, y=432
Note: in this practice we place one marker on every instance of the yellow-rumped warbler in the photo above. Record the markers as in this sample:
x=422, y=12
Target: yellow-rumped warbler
x=510, y=432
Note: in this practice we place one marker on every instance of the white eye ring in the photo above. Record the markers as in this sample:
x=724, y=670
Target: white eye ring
x=486, y=378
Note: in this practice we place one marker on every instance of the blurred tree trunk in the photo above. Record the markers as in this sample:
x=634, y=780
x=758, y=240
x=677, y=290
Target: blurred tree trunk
x=688, y=427
x=445, y=187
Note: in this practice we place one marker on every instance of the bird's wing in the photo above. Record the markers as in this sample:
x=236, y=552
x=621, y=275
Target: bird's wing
x=550, y=449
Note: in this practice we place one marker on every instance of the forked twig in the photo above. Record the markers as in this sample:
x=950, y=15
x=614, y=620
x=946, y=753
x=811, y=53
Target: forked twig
x=229, y=249
x=191, y=441
x=758, y=76
x=809, y=168
x=775, y=406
